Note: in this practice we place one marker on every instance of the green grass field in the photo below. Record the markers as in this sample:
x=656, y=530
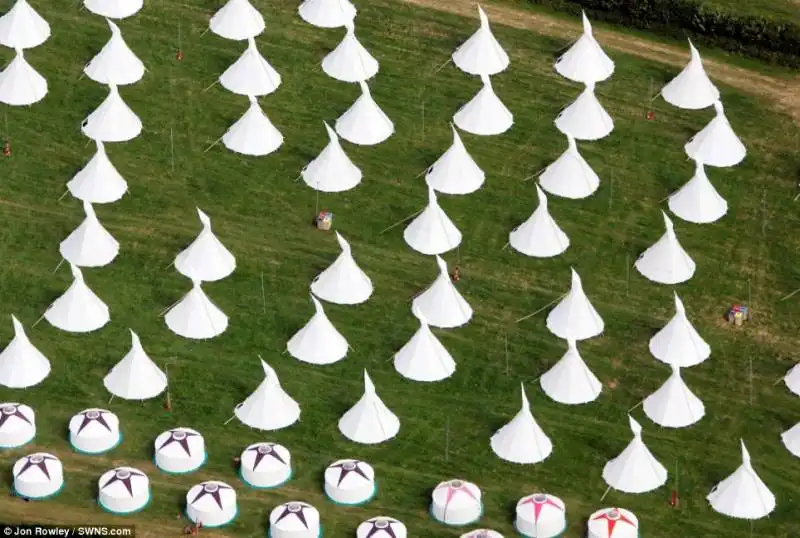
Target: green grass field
x=263, y=216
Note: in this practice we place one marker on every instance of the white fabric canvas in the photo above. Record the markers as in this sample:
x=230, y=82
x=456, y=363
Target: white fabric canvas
x=113, y=120
x=792, y=379
x=268, y=407
x=90, y=244
x=253, y=133
x=635, y=470
x=522, y=440
x=22, y=27
x=78, y=310
x=250, y=74
x=481, y=54
x=432, y=232
x=21, y=364
x=318, y=342
x=136, y=376
x=455, y=172
x=350, y=61
x=665, y=261
x=20, y=84
x=343, y=282
x=570, y=176
x=237, y=20
x=98, y=182
x=698, y=201
x=585, y=61
x=332, y=170
x=327, y=13
x=369, y=421
x=539, y=236
x=116, y=63
x=485, y=114
x=743, y=494
x=574, y=316
x=674, y=405
x=364, y=123
x=441, y=303
x=206, y=259
x=678, y=343
x=423, y=357
x=717, y=144
x=585, y=118
x=691, y=89
x=791, y=439
x=114, y=9
x=570, y=381
x=195, y=316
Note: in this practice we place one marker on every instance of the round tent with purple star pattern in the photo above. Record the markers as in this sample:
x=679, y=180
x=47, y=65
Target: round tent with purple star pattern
x=123, y=490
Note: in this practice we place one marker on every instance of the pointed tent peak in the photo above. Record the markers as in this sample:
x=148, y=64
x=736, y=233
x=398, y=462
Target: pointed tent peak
x=456, y=136
x=369, y=386
x=19, y=330
x=135, y=342
x=679, y=308
x=589, y=86
x=251, y=43
x=20, y=52
x=676, y=370
x=668, y=223
x=101, y=148
x=112, y=89
x=113, y=27
x=693, y=51
x=699, y=167
x=571, y=143
x=350, y=26
x=572, y=344
x=487, y=80
x=364, y=87
x=205, y=220
x=745, y=455
x=442, y=265
x=718, y=108
x=432, y=200
x=269, y=373
x=542, y=196
x=317, y=305
x=576, y=279
x=482, y=15
x=331, y=133
x=526, y=405
x=89, y=210
x=423, y=321
x=343, y=244
x=253, y=99
x=196, y=283
x=77, y=274
x=587, y=26
x=636, y=428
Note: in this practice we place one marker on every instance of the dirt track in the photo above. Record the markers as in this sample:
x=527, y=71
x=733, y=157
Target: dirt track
x=785, y=94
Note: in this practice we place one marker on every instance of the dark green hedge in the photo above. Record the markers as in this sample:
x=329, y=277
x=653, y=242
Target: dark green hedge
x=759, y=37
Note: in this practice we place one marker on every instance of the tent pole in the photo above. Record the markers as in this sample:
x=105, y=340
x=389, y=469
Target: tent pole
x=169, y=307
x=316, y=210
x=172, y=149
x=447, y=439
x=750, y=375
x=112, y=397
x=58, y=266
x=230, y=419
x=627, y=273
x=263, y=293
x=443, y=65
x=211, y=86
x=523, y=318
x=398, y=223
x=423, y=120
x=789, y=296
x=214, y=144
x=606, y=493
x=635, y=406
x=506, y=346
x=66, y=192
x=611, y=193
x=506, y=245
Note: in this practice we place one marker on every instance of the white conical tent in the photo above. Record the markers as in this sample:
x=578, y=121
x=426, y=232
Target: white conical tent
x=570, y=381
x=678, y=343
x=570, y=176
x=327, y=13
x=113, y=120
x=253, y=133
x=423, y=357
x=539, y=236
x=674, y=405
x=441, y=304
x=665, y=261
x=78, y=310
x=481, y=54
x=522, y=440
x=136, y=376
x=350, y=61
x=332, y=170
x=585, y=61
x=743, y=494
x=585, y=118
x=206, y=259
x=22, y=27
x=251, y=74
x=717, y=144
x=343, y=282
x=20, y=84
x=21, y=364
x=98, y=182
x=485, y=114
x=195, y=316
x=691, y=89
x=318, y=342
x=369, y=421
x=574, y=316
x=364, y=123
x=237, y=20
x=698, y=201
x=792, y=379
x=114, y=9
x=115, y=63
x=635, y=470
x=791, y=439
x=90, y=244
x=432, y=231
x=268, y=407
x=455, y=172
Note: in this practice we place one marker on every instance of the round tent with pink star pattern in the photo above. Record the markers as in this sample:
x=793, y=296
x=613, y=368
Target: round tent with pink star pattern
x=17, y=425
x=612, y=523
x=94, y=431
x=540, y=516
x=456, y=502
x=265, y=465
x=350, y=482
x=179, y=451
x=211, y=504
x=38, y=476
x=123, y=490
x=381, y=527
x=294, y=519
